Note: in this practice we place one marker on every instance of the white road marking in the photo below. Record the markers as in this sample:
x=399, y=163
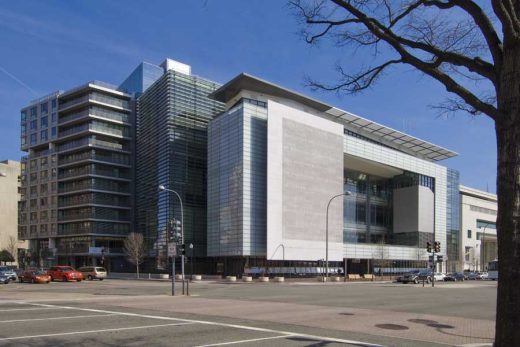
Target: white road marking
x=53, y=318
x=476, y=345
x=90, y=331
x=243, y=327
x=245, y=341
x=30, y=309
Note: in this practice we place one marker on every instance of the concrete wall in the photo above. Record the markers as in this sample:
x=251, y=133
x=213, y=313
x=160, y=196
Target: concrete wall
x=413, y=209
x=304, y=170
x=9, y=198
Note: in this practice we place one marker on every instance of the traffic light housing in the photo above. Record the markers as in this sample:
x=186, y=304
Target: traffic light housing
x=428, y=247
x=437, y=247
x=174, y=230
x=182, y=249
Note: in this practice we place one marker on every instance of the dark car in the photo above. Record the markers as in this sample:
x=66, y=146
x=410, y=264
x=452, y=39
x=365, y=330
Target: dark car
x=417, y=276
x=472, y=276
x=455, y=276
x=4, y=278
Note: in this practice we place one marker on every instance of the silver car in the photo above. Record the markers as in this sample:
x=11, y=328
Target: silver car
x=9, y=272
x=93, y=272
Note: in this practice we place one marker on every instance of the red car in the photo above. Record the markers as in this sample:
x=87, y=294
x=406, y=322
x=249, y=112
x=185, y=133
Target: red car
x=34, y=276
x=64, y=273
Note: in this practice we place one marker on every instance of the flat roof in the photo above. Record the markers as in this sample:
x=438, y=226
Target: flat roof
x=387, y=135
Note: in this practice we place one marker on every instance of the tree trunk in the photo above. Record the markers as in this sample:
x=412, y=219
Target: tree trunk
x=508, y=189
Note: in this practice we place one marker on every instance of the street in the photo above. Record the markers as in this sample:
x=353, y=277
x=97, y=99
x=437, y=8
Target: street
x=140, y=312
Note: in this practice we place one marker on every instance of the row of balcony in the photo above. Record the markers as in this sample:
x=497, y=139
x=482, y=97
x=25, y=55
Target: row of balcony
x=91, y=141
x=93, y=96
x=96, y=112
x=93, y=169
x=112, y=159
x=88, y=184
x=94, y=198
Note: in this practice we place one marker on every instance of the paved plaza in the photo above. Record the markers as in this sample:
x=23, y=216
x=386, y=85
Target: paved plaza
x=135, y=313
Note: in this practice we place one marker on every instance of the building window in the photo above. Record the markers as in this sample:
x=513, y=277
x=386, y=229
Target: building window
x=53, y=104
x=33, y=139
x=486, y=224
x=33, y=112
x=53, y=117
x=44, y=108
x=53, y=132
x=43, y=135
x=34, y=125
x=467, y=253
x=24, y=140
x=469, y=234
x=24, y=115
x=44, y=122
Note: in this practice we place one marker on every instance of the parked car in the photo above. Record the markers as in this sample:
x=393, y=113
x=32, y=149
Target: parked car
x=93, y=272
x=417, y=276
x=64, y=273
x=439, y=276
x=34, y=276
x=4, y=278
x=455, y=276
x=472, y=275
x=483, y=276
x=8, y=271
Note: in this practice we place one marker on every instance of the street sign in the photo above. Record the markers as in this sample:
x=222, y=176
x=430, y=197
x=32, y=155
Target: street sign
x=439, y=259
x=172, y=249
x=430, y=258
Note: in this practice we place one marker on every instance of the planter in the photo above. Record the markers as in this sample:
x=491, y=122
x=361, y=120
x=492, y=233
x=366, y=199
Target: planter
x=178, y=277
x=322, y=279
x=197, y=277
x=279, y=279
x=263, y=279
x=247, y=278
x=335, y=279
x=164, y=276
x=231, y=278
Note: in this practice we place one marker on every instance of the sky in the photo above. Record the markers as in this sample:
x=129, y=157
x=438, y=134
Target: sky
x=56, y=45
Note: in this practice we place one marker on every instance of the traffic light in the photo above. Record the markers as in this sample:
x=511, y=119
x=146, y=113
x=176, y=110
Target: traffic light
x=174, y=232
x=428, y=247
x=437, y=247
x=182, y=249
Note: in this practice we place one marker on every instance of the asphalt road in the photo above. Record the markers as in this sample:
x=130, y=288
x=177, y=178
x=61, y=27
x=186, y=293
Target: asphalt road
x=127, y=312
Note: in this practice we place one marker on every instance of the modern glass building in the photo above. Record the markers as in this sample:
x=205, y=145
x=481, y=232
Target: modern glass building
x=276, y=158
x=172, y=119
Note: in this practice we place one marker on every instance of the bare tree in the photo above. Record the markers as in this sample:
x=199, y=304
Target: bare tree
x=472, y=49
x=135, y=249
x=12, y=246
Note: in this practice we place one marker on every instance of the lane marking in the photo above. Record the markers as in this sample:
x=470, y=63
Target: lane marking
x=54, y=318
x=30, y=309
x=90, y=331
x=246, y=341
x=236, y=326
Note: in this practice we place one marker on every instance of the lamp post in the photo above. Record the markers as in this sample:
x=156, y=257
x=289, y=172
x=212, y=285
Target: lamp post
x=191, y=269
x=483, y=248
x=327, y=232
x=161, y=189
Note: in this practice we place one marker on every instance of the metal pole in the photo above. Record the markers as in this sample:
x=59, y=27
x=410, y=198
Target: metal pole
x=327, y=233
x=161, y=187
x=173, y=275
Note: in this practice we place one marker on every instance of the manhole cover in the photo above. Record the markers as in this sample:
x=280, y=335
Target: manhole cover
x=441, y=326
x=422, y=321
x=346, y=314
x=392, y=326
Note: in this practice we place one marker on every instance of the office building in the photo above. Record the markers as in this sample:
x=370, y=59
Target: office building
x=10, y=193
x=276, y=159
x=171, y=150
x=76, y=189
x=478, y=232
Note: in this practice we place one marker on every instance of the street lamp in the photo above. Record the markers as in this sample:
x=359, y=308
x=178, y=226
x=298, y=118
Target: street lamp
x=162, y=188
x=327, y=232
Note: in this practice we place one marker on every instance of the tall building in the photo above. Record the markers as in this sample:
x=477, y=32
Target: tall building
x=76, y=179
x=10, y=192
x=171, y=150
x=478, y=230
x=286, y=172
